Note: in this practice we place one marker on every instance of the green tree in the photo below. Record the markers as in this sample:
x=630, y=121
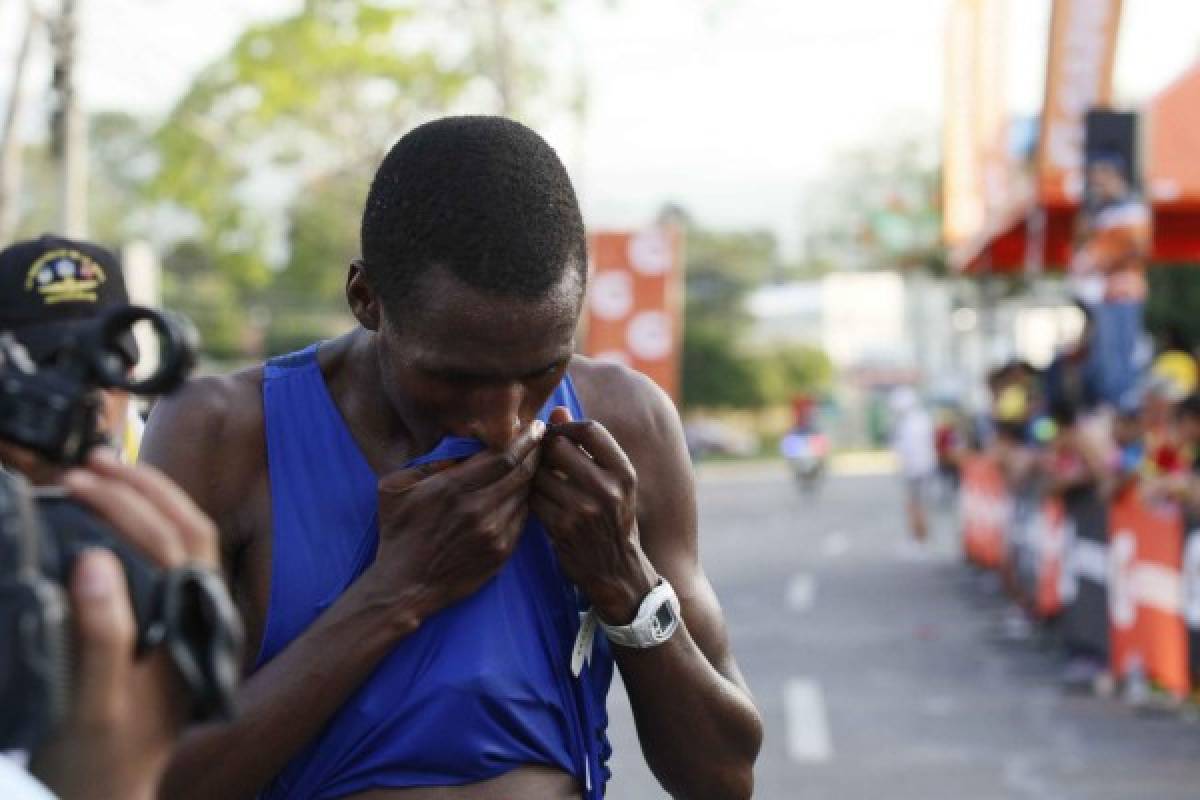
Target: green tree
x=264, y=162
x=719, y=371
x=877, y=207
x=120, y=161
x=715, y=374
x=789, y=369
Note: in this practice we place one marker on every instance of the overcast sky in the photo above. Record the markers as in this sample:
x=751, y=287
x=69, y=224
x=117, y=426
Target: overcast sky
x=727, y=106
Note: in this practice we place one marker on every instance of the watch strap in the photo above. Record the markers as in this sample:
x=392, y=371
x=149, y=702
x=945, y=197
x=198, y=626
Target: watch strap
x=656, y=620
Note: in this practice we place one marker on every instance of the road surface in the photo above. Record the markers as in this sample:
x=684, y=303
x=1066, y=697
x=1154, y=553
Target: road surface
x=880, y=675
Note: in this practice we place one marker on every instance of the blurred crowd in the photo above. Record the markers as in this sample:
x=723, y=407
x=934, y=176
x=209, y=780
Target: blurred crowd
x=1052, y=429
x=1052, y=433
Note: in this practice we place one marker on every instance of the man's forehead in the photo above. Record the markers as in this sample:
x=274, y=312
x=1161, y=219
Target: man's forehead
x=499, y=357
x=495, y=338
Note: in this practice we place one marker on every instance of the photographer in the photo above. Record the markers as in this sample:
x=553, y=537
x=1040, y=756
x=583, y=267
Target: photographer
x=50, y=286
x=126, y=714
x=118, y=631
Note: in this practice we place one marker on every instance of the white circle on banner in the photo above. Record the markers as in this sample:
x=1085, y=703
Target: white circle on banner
x=612, y=294
x=650, y=252
x=649, y=335
x=614, y=357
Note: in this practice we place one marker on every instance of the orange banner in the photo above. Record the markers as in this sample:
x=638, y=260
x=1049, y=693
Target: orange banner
x=975, y=153
x=1079, y=70
x=986, y=512
x=634, y=309
x=1145, y=594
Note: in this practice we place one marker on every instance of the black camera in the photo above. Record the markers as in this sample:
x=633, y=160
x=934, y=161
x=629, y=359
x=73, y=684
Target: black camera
x=53, y=411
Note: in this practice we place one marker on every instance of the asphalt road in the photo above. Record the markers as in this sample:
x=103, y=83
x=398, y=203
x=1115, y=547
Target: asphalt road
x=880, y=675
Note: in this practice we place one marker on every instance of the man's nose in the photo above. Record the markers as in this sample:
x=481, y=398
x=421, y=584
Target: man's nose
x=497, y=415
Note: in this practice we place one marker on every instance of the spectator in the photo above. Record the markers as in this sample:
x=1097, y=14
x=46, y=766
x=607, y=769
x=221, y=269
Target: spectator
x=49, y=287
x=1108, y=272
x=1175, y=366
x=912, y=440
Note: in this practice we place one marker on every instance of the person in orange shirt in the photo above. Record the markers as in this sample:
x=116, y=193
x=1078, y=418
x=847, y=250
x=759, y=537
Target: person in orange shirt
x=1108, y=275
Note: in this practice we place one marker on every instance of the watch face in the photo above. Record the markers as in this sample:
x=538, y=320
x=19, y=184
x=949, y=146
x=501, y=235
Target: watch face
x=663, y=619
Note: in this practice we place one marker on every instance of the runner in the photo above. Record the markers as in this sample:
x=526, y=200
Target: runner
x=419, y=633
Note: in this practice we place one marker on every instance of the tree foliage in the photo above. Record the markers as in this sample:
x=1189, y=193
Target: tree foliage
x=718, y=370
x=264, y=162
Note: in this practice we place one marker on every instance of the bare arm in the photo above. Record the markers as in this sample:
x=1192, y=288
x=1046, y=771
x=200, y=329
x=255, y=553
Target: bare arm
x=699, y=729
x=205, y=439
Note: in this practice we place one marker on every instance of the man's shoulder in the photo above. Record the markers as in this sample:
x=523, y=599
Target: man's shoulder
x=209, y=438
x=621, y=399
x=214, y=408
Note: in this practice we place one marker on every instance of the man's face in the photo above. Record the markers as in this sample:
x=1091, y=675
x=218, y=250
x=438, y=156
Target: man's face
x=476, y=364
x=1107, y=181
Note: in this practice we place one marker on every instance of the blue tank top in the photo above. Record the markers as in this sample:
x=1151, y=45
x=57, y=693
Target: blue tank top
x=482, y=687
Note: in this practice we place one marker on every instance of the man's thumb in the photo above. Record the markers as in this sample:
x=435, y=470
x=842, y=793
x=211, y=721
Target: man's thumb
x=402, y=480
x=106, y=630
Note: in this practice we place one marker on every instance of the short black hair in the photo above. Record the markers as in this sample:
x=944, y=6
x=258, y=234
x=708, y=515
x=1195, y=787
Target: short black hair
x=484, y=197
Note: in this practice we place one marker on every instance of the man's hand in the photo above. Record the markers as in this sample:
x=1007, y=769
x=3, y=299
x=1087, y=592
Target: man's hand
x=586, y=495
x=126, y=715
x=445, y=529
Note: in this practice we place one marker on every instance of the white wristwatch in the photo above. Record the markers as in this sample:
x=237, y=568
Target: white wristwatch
x=656, y=621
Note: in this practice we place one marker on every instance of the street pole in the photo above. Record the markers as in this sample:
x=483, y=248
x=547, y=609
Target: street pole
x=70, y=131
x=10, y=135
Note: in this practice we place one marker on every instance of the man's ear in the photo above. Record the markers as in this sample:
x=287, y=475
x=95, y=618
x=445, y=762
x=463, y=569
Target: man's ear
x=364, y=303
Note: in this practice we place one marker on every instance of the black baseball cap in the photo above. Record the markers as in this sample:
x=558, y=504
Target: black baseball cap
x=52, y=285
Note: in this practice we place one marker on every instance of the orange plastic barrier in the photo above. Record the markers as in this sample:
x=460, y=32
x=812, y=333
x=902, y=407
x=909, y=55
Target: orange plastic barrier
x=1145, y=592
x=1051, y=541
x=986, y=511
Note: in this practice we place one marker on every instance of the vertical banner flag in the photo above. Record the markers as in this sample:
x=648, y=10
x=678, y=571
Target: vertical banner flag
x=634, y=312
x=974, y=135
x=1079, y=70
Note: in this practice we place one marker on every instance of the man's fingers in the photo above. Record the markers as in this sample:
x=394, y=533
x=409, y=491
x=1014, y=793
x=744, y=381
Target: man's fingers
x=405, y=479
x=510, y=485
x=197, y=531
x=106, y=632
x=563, y=493
x=488, y=467
x=565, y=462
x=134, y=517
x=547, y=512
x=36, y=470
x=597, y=441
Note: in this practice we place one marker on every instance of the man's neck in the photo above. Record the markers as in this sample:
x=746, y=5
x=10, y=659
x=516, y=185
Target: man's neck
x=356, y=383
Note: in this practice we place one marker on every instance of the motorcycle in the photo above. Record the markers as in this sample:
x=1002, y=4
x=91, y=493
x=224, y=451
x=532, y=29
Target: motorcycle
x=807, y=455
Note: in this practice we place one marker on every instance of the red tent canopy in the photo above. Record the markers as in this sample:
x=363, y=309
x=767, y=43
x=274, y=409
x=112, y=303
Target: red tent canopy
x=1172, y=138
x=1007, y=249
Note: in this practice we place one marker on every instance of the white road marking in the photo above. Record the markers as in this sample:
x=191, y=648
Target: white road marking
x=835, y=544
x=801, y=591
x=808, y=737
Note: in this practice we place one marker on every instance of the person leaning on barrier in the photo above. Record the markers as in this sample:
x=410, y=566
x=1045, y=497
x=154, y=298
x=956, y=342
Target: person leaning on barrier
x=1183, y=485
x=126, y=713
